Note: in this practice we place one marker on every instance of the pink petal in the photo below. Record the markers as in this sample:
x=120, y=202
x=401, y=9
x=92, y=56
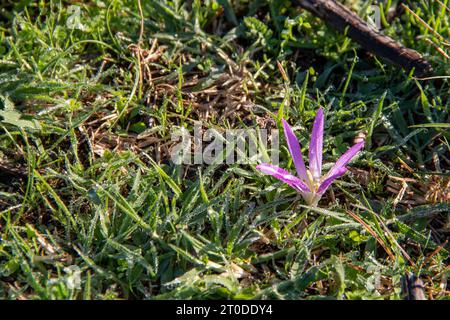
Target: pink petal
x=330, y=178
x=294, y=149
x=284, y=176
x=315, y=147
x=345, y=158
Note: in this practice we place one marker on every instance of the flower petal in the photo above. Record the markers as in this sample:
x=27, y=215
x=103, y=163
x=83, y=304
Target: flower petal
x=315, y=147
x=345, y=158
x=329, y=180
x=294, y=149
x=284, y=176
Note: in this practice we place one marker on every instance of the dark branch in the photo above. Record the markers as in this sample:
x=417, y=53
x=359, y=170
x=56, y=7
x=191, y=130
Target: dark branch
x=340, y=18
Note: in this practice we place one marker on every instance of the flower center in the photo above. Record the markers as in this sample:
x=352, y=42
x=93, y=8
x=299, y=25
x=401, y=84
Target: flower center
x=313, y=184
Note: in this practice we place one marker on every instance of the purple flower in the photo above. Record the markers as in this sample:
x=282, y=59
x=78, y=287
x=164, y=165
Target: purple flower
x=310, y=183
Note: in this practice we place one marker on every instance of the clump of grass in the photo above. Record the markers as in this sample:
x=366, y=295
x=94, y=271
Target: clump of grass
x=91, y=207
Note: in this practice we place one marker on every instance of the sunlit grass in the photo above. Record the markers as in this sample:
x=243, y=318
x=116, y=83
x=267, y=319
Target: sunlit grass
x=91, y=207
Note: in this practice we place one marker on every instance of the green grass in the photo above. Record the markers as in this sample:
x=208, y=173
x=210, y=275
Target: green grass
x=90, y=210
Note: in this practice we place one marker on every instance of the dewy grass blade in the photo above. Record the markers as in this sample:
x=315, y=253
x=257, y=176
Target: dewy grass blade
x=165, y=177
